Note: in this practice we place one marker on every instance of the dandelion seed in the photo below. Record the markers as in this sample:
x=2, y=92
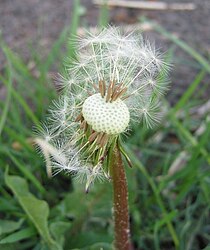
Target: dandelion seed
x=117, y=78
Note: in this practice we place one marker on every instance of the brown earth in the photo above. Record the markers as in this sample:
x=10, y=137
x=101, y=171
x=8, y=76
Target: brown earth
x=37, y=24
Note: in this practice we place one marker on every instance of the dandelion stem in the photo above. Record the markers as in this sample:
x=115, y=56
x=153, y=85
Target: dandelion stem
x=120, y=200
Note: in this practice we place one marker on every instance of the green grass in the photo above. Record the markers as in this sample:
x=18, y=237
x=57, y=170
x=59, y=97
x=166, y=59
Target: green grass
x=167, y=211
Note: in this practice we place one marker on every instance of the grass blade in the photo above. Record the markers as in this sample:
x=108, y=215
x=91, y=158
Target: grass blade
x=22, y=102
x=27, y=174
x=154, y=188
x=103, y=15
x=199, y=58
x=8, y=98
x=189, y=92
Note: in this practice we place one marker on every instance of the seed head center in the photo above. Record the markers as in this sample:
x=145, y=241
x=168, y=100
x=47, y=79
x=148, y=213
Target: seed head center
x=108, y=117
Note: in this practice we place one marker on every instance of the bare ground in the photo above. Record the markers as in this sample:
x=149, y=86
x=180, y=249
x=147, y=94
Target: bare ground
x=37, y=24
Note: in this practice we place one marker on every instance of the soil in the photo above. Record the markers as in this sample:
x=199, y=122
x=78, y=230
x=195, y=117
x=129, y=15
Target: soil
x=37, y=24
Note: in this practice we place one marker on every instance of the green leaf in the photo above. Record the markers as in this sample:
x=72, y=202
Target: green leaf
x=36, y=210
x=8, y=226
x=207, y=248
x=101, y=245
x=83, y=208
x=17, y=236
x=58, y=230
x=86, y=240
x=11, y=246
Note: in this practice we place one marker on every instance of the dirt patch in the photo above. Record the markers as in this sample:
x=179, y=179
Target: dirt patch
x=36, y=24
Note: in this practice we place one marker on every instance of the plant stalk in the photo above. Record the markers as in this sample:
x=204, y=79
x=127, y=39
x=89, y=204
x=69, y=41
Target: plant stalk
x=120, y=202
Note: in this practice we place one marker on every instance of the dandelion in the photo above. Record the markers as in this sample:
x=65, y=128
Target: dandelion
x=116, y=80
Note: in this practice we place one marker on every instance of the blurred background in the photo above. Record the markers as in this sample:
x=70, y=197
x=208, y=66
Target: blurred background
x=169, y=182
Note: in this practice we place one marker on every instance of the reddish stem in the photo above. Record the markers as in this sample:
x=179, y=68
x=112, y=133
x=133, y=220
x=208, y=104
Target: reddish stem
x=120, y=200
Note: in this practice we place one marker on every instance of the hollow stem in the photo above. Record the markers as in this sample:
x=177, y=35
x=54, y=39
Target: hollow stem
x=120, y=200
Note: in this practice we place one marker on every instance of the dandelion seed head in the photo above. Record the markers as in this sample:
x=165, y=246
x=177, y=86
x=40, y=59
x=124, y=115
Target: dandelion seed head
x=116, y=78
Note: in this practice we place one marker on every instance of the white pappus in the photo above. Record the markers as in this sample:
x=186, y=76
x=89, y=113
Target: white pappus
x=117, y=79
